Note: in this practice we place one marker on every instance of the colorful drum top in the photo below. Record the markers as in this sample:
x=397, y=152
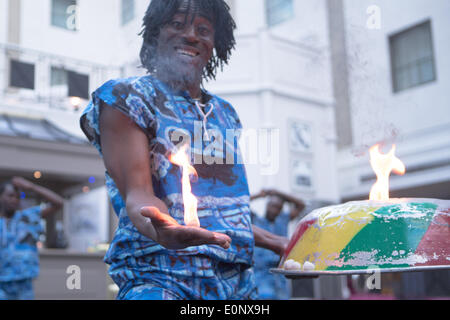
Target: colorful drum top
x=400, y=233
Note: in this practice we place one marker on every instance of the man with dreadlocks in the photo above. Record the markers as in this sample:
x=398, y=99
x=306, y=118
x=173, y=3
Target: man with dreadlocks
x=20, y=229
x=136, y=124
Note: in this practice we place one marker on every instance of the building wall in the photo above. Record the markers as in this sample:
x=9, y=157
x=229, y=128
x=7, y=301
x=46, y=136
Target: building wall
x=370, y=71
x=416, y=119
x=91, y=50
x=340, y=81
x=3, y=20
x=95, y=41
x=277, y=75
x=3, y=39
x=274, y=75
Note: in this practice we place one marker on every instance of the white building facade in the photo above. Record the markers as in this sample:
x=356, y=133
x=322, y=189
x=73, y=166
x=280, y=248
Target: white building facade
x=302, y=71
x=279, y=80
x=399, y=79
x=279, y=77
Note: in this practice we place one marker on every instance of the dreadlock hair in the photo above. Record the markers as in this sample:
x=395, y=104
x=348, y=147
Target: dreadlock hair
x=161, y=12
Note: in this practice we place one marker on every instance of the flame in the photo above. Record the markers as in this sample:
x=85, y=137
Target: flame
x=383, y=164
x=190, y=201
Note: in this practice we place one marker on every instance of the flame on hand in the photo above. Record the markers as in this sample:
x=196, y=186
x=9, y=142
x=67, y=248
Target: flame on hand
x=383, y=164
x=190, y=201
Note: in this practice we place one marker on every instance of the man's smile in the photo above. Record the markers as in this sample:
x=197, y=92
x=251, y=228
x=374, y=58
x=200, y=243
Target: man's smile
x=187, y=51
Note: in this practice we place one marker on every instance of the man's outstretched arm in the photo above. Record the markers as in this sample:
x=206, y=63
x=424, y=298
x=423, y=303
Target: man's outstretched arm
x=126, y=156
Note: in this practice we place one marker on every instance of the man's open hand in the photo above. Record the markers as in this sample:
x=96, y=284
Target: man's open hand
x=172, y=235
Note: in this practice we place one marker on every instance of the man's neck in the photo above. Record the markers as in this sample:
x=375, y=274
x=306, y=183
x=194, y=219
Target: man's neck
x=195, y=93
x=193, y=87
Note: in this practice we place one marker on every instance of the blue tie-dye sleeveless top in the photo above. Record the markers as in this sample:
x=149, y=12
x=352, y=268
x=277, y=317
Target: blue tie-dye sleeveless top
x=168, y=117
x=19, y=256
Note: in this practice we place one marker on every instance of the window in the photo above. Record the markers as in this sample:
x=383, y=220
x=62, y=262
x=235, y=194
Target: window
x=74, y=84
x=412, y=57
x=127, y=11
x=78, y=85
x=278, y=11
x=21, y=75
x=65, y=14
x=58, y=77
x=302, y=174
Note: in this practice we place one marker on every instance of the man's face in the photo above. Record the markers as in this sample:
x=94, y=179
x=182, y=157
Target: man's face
x=273, y=209
x=185, y=45
x=10, y=199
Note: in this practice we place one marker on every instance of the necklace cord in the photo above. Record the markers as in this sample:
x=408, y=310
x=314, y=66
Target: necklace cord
x=205, y=116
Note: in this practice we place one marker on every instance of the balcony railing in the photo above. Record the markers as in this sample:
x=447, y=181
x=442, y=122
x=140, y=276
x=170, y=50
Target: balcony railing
x=262, y=62
x=47, y=93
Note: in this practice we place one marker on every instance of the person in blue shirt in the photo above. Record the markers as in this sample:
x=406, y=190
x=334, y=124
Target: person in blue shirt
x=275, y=221
x=19, y=232
x=137, y=124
